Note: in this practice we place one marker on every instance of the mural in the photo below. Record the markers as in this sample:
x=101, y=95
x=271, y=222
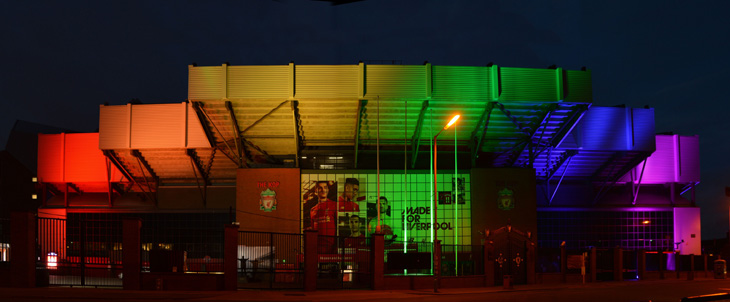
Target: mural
x=347, y=205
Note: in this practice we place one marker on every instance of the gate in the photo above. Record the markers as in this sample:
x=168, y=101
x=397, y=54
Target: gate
x=604, y=264
x=78, y=252
x=510, y=249
x=270, y=260
x=343, y=262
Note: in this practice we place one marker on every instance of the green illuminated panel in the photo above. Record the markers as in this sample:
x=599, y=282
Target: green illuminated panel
x=409, y=201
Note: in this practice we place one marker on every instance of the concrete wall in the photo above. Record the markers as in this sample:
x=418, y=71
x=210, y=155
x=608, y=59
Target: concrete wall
x=250, y=183
x=687, y=230
x=485, y=187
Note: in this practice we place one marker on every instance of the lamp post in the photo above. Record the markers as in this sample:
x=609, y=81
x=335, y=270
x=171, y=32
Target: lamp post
x=437, y=262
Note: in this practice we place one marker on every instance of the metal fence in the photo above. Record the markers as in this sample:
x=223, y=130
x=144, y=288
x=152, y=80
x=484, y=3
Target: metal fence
x=270, y=260
x=343, y=262
x=182, y=243
x=78, y=252
x=403, y=258
x=462, y=260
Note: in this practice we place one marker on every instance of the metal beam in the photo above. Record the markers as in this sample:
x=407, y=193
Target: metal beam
x=264, y=116
x=568, y=125
x=564, y=156
x=297, y=130
x=236, y=131
x=145, y=164
x=638, y=185
x=567, y=165
x=197, y=106
x=112, y=156
x=360, y=109
x=257, y=148
x=117, y=163
x=480, y=131
x=512, y=118
x=416, y=138
x=195, y=159
x=204, y=119
x=76, y=188
x=545, y=114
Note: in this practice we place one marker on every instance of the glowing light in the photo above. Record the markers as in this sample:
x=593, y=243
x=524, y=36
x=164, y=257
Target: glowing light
x=34, y=179
x=452, y=121
x=646, y=222
x=34, y=196
x=52, y=260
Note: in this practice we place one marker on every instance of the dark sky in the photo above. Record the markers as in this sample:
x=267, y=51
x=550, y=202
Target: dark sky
x=62, y=59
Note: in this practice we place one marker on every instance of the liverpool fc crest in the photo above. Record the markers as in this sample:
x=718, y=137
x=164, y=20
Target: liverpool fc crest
x=505, y=199
x=267, y=203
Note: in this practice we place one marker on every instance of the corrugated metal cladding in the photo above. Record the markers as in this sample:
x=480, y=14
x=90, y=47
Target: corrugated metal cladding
x=386, y=81
x=396, y=81
x=689, y=153
x=325, y=122
x=462, y=82
x=676, y=159
x=153, y=126
x=578, y=86
x=523, y=84
x=661, y=165
x=84, y=161
x=395, y=125
x=259, y=81
x=74, y=158
x=603, y=128
x=205, y=83
x=643, y=127
x=327, y=81
x=157, y=126
x=113, y=127
x=50, y=157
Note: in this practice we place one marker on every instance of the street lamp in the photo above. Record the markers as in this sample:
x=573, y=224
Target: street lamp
x=437, y=262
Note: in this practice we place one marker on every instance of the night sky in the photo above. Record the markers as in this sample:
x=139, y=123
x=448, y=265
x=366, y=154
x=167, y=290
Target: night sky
x=62, y=59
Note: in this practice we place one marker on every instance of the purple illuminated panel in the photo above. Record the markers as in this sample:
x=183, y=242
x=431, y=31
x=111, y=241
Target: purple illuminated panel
x=676, y=159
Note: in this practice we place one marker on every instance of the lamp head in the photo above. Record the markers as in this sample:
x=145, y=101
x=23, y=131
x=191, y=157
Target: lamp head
x=452, y=121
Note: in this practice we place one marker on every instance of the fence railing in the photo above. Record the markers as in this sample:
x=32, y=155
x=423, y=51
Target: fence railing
x=270, y=260
x=180, y=246
x=462, y=260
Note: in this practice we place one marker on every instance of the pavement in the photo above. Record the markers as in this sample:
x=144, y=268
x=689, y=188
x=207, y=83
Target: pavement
x=653, y=290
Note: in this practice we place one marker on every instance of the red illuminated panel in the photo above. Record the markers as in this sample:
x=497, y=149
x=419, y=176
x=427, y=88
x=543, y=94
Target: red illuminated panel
x=50, y=157
x=84, y=161
x=74, y=158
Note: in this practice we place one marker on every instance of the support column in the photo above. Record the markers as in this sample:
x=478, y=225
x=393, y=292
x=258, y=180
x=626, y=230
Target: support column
x=530, y=261
x=488, y=263
x=641, y=266
x=230, y=257
x=22, y=241
x=594, y=264
x=131, y=253
x=310, y=260
x=691, y=273
x=707, y=271
x=618, y=264
x=563, y=264
x=662, y=265
x=378, y=259
x=676, y=263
